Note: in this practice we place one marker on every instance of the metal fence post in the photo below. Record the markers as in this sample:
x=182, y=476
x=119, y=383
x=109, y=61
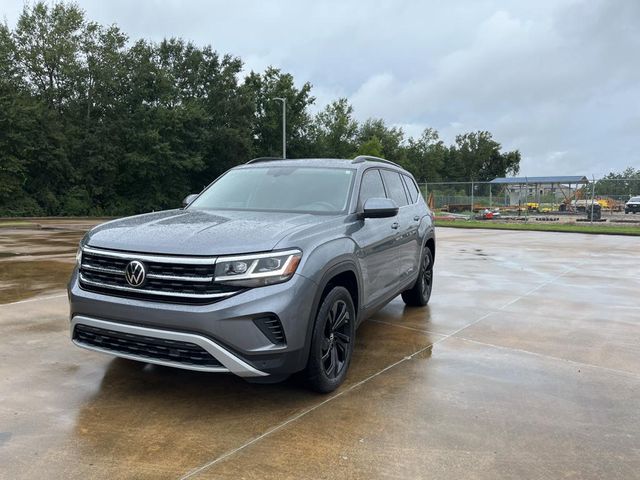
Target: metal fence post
x=526, y=200
x=593, y=196
x=472, y=199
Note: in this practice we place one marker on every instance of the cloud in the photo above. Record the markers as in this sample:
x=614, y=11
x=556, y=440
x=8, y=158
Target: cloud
x=557, y=79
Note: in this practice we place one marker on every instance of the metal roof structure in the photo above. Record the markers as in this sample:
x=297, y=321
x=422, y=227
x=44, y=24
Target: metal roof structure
x=566, y=179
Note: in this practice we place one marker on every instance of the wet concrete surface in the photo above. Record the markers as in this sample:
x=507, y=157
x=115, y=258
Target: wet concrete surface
x=526, y=364
x=34, y=261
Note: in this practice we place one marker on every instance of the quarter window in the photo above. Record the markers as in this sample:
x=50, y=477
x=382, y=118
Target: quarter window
x=411, y=188
x=395, y=190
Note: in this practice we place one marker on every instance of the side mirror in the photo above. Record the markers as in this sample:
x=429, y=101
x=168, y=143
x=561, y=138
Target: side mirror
x=188, y=199
x=380, y=208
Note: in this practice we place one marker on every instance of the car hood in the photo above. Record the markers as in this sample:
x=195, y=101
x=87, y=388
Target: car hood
x=199, y=232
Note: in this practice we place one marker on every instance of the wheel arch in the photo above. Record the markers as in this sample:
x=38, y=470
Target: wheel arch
x=344, y=273
x=431, y=245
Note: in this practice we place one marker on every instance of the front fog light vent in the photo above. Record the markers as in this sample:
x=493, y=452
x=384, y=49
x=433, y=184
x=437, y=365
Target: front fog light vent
x=272, y=329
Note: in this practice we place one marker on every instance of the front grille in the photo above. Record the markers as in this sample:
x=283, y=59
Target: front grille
x=169, y=279
x=142, y=346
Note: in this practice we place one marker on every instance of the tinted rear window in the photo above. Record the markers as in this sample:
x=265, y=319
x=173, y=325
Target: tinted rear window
x=395, y=190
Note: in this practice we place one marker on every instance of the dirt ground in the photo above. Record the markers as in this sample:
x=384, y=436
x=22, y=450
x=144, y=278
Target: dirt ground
x=526, y=364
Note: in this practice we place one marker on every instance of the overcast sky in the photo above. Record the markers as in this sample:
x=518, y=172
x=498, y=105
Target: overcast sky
x=557, y=79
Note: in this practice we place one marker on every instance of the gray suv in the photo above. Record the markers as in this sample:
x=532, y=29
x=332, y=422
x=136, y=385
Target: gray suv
x=265, y=273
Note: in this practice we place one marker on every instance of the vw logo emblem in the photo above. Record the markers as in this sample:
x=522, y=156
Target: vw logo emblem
x=135, y=273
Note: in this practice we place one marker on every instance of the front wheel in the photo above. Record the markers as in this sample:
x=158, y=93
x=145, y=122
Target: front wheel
x=332, y=341
x=420, y=293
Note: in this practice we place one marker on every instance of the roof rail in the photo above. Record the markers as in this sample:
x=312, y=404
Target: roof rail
x=364, y=158
x=265, y=159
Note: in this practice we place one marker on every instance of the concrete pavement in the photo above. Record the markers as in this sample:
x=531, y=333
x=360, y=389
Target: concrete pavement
x=526, y=364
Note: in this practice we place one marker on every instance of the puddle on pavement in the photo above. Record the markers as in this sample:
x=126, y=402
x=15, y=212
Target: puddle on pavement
x=38, y=243
x=22, y=279
x=35, y=261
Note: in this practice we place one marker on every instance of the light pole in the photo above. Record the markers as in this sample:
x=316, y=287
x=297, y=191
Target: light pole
x=284, y=125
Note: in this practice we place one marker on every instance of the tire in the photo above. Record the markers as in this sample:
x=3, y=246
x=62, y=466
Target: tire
x=420, y=293
x=332, y=341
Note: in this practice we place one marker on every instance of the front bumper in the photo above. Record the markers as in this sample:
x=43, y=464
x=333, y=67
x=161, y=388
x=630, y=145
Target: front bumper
x=228, y=362
x=225, y=329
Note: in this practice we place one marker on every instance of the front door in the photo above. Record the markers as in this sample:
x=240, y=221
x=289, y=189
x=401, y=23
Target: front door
x=377, y=243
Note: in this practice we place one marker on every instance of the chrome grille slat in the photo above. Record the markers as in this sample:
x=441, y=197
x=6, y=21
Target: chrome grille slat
x=144, y=257
x=179, y=278
x=96, y=268
x=168, y=278
x=154, y=292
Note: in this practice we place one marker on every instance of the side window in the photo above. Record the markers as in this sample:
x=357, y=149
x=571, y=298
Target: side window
x=371, y=186
x=411, y=188
x=395, y=190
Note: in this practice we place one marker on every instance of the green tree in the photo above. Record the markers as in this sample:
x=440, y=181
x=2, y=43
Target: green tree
x=426, y=156
x=334, y=130
x=391, y=139
x=373, y=146
x=477, y=156
x=47, y=42
x=620, y=185
x=267, y=123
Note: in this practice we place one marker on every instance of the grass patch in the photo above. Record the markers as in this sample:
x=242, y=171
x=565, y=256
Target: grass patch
x=17, y=224
x=542, y=227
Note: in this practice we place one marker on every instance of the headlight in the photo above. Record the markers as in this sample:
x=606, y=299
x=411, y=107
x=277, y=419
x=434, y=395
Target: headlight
x=79, y=256
x=256, y=270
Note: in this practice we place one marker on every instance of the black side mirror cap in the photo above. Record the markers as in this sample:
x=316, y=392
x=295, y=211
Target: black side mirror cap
x=379, y=208
x=188, y=199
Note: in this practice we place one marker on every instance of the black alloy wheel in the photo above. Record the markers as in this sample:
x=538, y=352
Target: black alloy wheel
x=420, y=293
x=427, y=274
x=336, y=339
x=332, y=341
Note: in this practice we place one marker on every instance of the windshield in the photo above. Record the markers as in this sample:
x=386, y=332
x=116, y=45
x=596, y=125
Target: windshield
x=284, y=189
x=635, y=199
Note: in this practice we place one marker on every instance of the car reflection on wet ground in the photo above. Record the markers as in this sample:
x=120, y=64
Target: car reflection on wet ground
x=526, y=364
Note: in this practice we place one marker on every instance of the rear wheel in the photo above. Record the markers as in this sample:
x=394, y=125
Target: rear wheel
x=420, y=293
x=332, y=341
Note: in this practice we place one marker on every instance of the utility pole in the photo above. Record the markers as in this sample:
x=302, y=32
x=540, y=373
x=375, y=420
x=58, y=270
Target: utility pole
x=284, y=125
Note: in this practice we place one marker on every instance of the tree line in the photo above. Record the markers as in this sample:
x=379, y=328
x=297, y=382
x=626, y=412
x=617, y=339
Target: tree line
x=622, y=184
x=93, y=123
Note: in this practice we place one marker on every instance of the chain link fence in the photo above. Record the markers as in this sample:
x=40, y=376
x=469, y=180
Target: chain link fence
x=585, y=199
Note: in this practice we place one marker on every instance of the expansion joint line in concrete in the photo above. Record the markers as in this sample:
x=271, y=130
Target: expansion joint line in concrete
x=280, y=426
x=552, y=357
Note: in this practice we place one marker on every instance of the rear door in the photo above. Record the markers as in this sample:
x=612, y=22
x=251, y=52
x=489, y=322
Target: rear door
x=376, y=239
x=417, y=212
x=406, y=225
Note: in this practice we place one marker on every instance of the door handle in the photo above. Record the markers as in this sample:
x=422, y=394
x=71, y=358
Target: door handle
x=416, y=218
x=395, y=225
